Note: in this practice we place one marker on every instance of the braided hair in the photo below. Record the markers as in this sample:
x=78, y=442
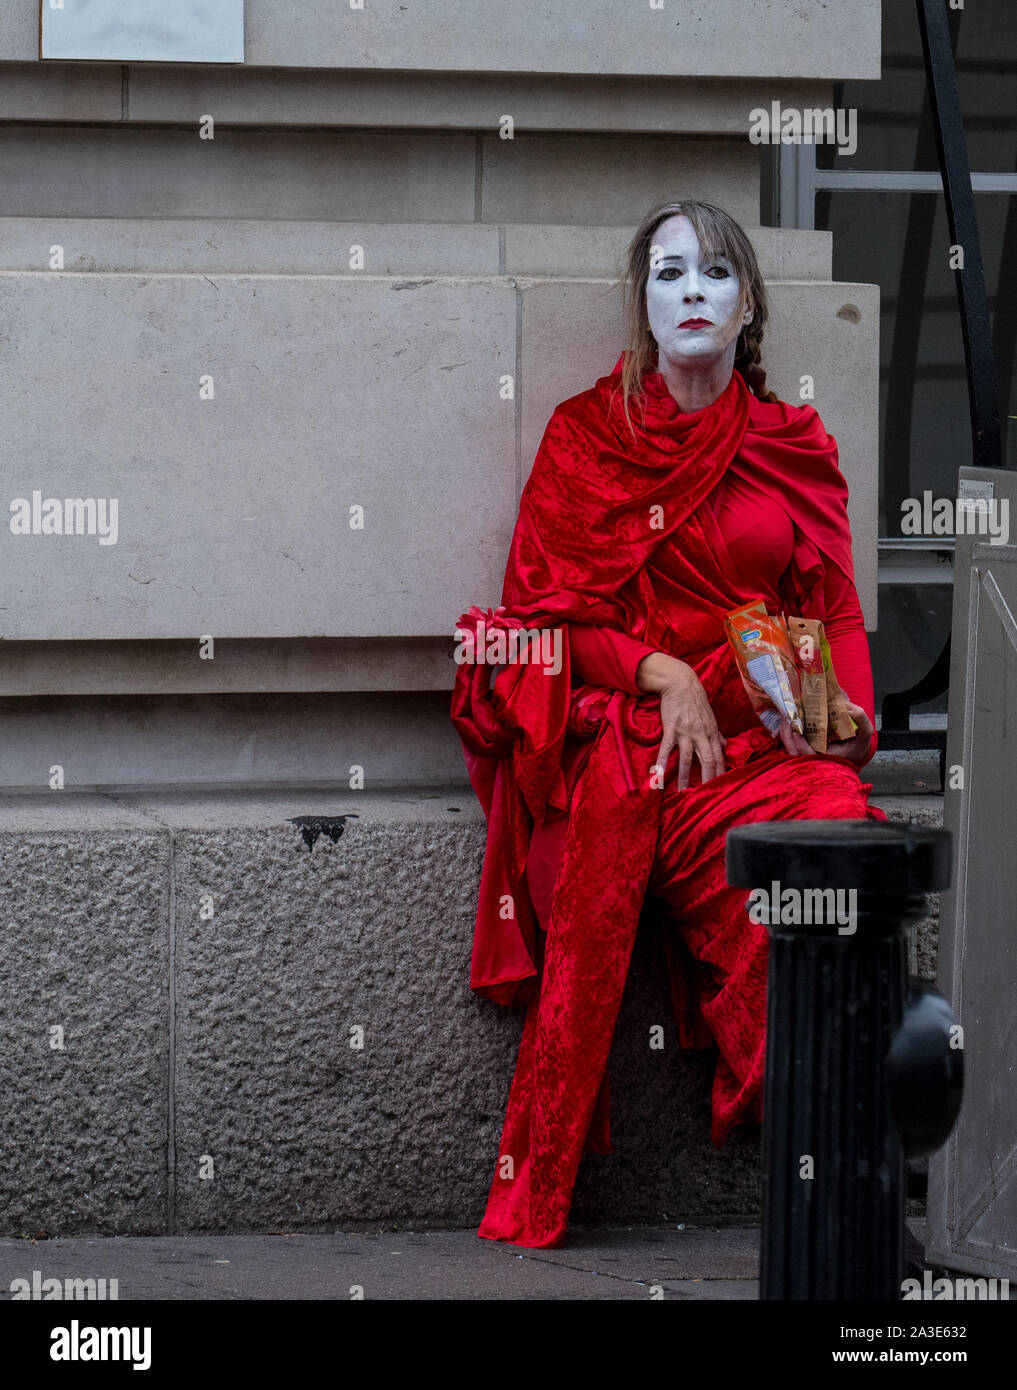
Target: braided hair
x=748, y=362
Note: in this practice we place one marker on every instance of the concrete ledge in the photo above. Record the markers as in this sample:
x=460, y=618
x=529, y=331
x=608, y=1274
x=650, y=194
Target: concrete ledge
x=301, y=665
x=259, y=741
x=238, y=245
x=366, y=176
x=336, y=98
x=210, y=971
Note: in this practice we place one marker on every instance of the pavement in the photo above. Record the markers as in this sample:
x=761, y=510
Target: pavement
x=633, y=1262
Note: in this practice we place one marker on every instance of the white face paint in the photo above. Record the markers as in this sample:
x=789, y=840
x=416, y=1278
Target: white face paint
x=690, y=299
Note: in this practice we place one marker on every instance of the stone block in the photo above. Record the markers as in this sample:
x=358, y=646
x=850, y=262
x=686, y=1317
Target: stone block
x=771, y=38
x=61, y=92
x=346, y=392
x=243, y=246
x=84, y=948
x=306, y=1130
x=830, y=334
x=600, y=179
x=123, y=172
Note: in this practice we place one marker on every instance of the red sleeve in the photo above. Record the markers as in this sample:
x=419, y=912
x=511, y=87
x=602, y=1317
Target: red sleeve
x=601, y=656
x=849, y=645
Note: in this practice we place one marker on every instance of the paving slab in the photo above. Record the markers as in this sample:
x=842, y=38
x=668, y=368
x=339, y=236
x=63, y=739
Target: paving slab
x=617, y=1263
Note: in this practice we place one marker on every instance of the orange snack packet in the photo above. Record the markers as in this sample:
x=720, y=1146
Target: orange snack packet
x=787, y=669
x=765, y=659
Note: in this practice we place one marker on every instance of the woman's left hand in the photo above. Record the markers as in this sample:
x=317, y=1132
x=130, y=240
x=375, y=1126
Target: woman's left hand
x=853, y=750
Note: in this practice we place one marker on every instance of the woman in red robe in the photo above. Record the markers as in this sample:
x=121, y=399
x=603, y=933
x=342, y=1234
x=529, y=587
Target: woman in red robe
x=617, y=745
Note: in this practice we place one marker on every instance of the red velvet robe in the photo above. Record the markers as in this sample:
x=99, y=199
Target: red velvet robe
x=617, y=532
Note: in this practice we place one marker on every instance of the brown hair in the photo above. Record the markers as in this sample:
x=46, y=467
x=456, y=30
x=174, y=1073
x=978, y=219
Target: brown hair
x=718, y=234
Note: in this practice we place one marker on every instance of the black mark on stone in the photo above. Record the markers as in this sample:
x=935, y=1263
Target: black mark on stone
x=311, y=827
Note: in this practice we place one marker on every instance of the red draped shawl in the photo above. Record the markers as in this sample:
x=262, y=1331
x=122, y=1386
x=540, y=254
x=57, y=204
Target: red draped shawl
x=597, y=505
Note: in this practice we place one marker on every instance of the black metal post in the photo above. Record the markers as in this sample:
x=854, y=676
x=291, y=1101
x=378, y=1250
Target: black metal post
x=857, y=1079
x=933, y=23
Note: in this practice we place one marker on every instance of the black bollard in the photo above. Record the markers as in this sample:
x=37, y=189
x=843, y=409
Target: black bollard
x=860, y=1070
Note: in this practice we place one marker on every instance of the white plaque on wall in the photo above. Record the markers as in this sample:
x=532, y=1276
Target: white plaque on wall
x=144, y=31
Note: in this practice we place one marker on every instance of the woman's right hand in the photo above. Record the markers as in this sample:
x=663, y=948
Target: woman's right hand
x=686, y=716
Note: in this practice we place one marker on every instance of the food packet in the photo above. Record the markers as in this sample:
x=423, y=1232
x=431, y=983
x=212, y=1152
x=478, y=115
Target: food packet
x=766, y=663
x=840, y=723
x=807, y=639
x=788, y=663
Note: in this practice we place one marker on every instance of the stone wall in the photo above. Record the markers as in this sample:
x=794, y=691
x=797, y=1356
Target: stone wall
x=358, y=260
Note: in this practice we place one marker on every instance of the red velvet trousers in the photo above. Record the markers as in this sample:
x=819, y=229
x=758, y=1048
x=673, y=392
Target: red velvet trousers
x=557, y=1088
